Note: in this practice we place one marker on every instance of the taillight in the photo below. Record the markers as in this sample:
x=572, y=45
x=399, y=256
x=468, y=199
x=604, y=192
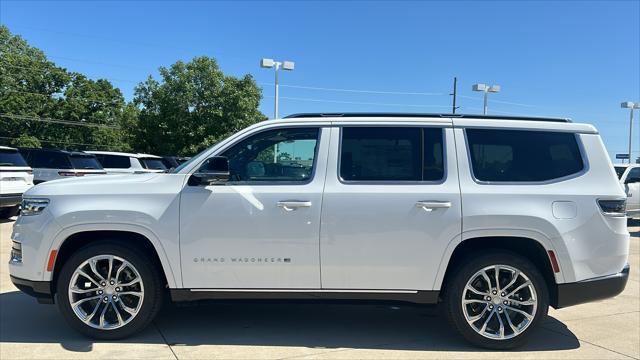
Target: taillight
x=70, y=173
x=613, y=207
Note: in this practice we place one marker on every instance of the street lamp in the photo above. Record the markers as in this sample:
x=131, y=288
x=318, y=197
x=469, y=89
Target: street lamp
x=631, y=106
x=486, y=89
x=270, y=63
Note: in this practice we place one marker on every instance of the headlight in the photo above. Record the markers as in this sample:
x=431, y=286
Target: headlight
x=33, y=206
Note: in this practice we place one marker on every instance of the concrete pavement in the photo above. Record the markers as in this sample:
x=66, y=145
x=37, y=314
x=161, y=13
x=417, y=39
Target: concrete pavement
x=600, y=330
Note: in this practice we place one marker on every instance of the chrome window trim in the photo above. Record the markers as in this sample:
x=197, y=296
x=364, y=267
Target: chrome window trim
x=585, y=162
x=395, y=182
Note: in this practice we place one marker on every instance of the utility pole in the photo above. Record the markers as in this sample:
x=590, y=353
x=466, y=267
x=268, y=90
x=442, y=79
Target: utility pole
x=454, y=94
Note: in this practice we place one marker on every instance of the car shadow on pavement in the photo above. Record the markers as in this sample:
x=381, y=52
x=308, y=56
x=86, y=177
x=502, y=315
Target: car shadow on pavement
x=294, y=324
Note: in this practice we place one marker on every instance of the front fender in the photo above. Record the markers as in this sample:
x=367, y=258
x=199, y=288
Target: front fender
x=172, y=279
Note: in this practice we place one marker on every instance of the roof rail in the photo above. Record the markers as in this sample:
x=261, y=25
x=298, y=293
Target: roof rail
x=417, y=115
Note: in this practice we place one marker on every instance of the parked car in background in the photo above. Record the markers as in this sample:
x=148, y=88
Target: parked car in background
x=16, y=177
x=172, y=162
x=129, y=163
x=52, y=164
x=497, y=218
x=629, y=175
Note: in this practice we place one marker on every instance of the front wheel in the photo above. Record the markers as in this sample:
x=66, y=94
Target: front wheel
x=109, y=291
x=496, y=300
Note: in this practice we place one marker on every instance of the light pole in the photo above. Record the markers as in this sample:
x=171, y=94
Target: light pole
x=486, y=89
x=270, y=63
x=631, y=106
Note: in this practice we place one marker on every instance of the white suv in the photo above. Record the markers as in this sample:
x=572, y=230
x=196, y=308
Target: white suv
x=16, y=177
x=495, y=218
x=629, y=175
x=128, y=163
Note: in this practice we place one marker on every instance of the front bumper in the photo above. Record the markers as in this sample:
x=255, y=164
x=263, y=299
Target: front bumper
x=591, y=290
x=41, y=290
x=7, y=200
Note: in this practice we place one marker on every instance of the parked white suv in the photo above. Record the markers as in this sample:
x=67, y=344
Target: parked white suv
x=629, y=175
x=496, y=218
x=54, y=164
x=128, y=163
x=16, y=177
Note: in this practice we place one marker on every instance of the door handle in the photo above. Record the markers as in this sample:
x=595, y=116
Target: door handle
x=430, y=205
x=291, y=205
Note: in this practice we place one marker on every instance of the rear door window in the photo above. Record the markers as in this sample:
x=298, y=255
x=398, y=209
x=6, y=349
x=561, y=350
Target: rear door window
x=523, y=156
x=391, y=154
x=11, y=158
x=115, y=161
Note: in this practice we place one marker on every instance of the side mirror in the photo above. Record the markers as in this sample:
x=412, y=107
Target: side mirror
x=214, y=171
x=632, y=180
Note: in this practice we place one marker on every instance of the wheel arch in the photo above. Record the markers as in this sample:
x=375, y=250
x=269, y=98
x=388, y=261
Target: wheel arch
x=71, y=241
x=527, y=247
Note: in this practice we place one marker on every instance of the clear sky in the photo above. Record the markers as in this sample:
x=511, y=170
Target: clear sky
x=562, y=58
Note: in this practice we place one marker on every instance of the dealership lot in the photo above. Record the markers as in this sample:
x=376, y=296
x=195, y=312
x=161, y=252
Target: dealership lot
x=600, y=330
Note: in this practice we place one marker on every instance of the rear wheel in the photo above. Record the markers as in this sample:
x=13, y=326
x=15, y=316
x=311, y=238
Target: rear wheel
x=109, y=291
x=496, y=300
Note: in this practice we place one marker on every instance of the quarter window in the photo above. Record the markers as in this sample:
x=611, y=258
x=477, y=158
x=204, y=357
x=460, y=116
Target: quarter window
x=280, y=155
x=523, y=156
x=391, y=154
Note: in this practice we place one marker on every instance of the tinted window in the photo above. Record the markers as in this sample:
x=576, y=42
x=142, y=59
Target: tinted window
x=114, y=161
x=275, y=155
x=84, y=162
x=44, y=159
x=634, y=173
x=152, y=163
x=620, y=171
x=517, y=155
x=11, y=158
x=391, y=154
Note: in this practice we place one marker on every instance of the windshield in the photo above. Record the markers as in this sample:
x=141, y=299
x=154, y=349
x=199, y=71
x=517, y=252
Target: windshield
x=620, y=171
x=85, y=162
x=11, y=158
x=153, y=164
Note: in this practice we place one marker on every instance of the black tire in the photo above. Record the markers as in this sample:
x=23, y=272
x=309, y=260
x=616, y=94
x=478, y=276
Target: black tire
x=150, y=277
x=454, y=293
x=7, y=212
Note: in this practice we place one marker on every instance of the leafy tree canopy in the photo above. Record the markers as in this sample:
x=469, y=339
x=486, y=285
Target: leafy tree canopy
x=32, y=88
x=194, y=106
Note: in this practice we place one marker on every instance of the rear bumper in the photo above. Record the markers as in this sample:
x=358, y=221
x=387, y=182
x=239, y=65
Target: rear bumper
x=7, y=200
x=591, y=290
x=41, y=290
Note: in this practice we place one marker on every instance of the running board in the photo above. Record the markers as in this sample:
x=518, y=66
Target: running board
x=413, y=296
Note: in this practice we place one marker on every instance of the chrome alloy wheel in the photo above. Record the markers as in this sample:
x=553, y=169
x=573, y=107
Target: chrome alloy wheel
x=499, y=302
x=106, y=292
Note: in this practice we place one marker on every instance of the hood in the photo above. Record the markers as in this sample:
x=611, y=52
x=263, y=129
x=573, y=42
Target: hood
x=104, y=184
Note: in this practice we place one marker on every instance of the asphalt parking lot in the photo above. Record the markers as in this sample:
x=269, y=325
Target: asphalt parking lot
x=600, y=330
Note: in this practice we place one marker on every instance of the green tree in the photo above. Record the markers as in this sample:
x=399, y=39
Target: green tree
x=194, y=106
x=32, y=88
x=25, y=140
